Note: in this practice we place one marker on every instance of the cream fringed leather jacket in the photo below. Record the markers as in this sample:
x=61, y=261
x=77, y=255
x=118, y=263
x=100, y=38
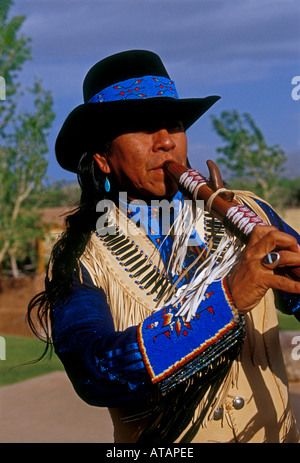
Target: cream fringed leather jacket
x=118, y=347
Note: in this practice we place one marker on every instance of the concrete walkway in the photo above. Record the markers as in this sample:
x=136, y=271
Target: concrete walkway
x=47, y=410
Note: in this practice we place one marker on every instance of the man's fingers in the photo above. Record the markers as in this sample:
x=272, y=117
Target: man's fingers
x=281, y=259
x=258, y=232
x=282, y=283
x=290, y=259
x=268, y=239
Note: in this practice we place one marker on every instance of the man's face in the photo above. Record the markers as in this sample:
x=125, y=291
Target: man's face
x=137, y=158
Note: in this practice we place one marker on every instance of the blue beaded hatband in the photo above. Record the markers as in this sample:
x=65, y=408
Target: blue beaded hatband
x=137, y=88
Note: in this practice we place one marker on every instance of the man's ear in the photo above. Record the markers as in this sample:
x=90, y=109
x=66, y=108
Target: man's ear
x=102, y=163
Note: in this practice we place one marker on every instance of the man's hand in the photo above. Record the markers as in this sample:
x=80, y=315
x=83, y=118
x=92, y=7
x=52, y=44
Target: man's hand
x=250, y=279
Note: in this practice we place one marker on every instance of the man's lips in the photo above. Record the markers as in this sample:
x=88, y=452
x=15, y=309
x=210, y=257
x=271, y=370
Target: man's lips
x=160, y=167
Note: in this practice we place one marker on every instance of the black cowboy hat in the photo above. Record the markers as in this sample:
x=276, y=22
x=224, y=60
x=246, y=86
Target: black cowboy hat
x=123, y=92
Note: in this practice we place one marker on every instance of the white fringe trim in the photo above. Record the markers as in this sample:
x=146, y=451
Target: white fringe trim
x=226, y=256
x=183, y=226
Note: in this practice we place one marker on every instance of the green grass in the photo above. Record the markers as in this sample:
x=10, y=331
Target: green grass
x=288, y=322
x=20, y=353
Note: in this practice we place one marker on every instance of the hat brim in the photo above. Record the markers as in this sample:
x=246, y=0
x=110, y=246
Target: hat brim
x=90, y=124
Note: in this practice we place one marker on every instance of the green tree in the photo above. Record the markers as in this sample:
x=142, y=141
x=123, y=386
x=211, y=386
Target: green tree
x=14, y=52
x=23, y=145
x=246, y=155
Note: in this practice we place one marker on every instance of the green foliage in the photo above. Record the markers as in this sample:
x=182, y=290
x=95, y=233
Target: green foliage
x=246, y=155
x=14, y=52
x=285, y=195
x=288, y=193
x=23, y=145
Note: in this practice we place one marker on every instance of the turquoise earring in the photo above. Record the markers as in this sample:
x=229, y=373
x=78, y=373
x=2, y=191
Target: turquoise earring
x=107, y=185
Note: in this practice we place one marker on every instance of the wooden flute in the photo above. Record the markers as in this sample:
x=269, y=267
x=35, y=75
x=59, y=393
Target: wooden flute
x=237, y=218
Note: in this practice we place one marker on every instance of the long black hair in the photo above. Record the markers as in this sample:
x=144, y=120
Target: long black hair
x=66, y=252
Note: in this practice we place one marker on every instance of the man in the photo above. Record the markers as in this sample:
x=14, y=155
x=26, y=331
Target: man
x=118, y=284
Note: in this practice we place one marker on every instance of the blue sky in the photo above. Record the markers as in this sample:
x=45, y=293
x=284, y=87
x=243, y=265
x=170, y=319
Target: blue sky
x=246, y=51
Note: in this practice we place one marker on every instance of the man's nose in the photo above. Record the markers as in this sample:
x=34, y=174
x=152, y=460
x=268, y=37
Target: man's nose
x=163, y=140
